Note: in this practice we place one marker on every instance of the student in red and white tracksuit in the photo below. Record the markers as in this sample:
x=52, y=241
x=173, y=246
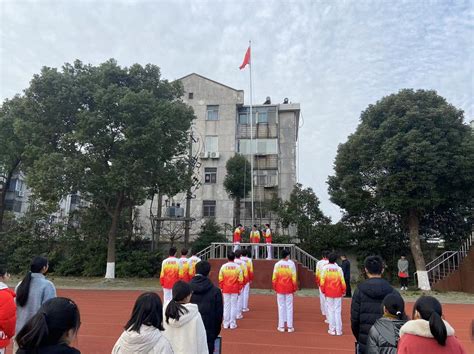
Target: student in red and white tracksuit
x=193, y=260
x=319, y=268
x=246, y=291
x=333, y=287
x=7, y=311
x=185, y=265
x=237, y=237
x=284, y=283
x=243, y=265
x=171, y=272
x=231, y=280
x=268, y=241
x=255, y=240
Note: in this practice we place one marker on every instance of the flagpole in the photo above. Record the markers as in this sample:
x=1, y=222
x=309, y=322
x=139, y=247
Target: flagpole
x=251, y=137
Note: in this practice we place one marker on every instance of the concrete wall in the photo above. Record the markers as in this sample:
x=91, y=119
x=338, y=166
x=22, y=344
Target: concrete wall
x=288, y=125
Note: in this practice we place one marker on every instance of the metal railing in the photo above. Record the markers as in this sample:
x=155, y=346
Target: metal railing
x=221, y=249
x=447, y=262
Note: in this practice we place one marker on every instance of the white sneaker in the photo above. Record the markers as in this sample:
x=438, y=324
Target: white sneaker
x=332, y=333
x=245, y=310
x=326, y=321
x=339, y=334
x=290, y=330
x=239, y=317
x=233, y=326
x=225, y=326
x=281, y=329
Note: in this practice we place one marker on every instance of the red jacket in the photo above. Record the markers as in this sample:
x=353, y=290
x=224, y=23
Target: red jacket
x=332, y=282
x=7, y=315
x=416, y=334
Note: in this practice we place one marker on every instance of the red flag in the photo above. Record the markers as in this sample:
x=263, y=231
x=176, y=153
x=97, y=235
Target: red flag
x=246, y=59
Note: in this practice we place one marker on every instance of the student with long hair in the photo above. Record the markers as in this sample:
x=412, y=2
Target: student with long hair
x=7, y=311
x=52, y=329
x=33, y=291
x=428, y=330
x=183, y=323
x=384, y=334
x=143, y=330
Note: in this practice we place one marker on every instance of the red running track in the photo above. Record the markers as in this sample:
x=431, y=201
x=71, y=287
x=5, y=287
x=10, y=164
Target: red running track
x=104, y=312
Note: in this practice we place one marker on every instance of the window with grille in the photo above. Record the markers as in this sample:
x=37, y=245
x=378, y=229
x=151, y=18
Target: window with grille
x=209, y=208
x=210, y=175
x=212, y=112
x=211, y=144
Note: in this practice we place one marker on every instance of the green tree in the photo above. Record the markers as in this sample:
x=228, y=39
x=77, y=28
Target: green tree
x=411, y=154
x=211, y=231
x=237, y=182
x=117, y=129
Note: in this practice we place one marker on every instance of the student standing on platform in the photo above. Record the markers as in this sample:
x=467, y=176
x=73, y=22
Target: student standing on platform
x=333, y=287
x=237, y=237
x=255, y=240
x=193, y=260
x=185, y=266
x=231, y=281
x=284, y=284
x=319, y=268
x=346, y=269
x=246, y=291
x=171, y=272
x=268, y=240
x=245, y=272
x=7, y=311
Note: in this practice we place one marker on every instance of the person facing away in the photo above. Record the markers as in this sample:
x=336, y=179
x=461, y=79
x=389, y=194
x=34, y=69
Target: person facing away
x=171, y=272
x=333, y=287
x=403, y=272
x=246, y=290
x=245, y=272
x=366, y=305
x=284, y=283
x=208, y=298
x=7, y=311
x=255, y=240
x=52, y=329
x=184, y=263
x=193, y=260
x=183, y=323
x=143, y=331
x=231, y=282
x=317, y=275
x=237, y=236
x=428, y=330
x=268, y=240
x=384, y=334
x=33, y=291
x=346, y=269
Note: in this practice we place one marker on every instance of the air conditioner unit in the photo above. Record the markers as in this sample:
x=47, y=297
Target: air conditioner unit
x=214, y=155
x=204, y=155
x=21, y=193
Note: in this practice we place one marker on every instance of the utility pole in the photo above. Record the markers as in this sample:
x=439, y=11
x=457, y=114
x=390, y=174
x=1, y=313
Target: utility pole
x=189, y=196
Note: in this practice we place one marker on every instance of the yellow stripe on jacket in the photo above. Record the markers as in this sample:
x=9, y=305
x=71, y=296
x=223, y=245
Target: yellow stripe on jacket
x=332, y=281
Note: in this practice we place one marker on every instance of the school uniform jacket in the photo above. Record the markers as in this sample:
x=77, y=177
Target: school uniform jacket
x=249, y=263
x=268, y=236
x=231, y=278
x=319, y=267
x=332, y=281
x=284, y=277
x=245, y=270
x=7, y=315
x=185, y=266
x=171, y=272
x=193, y=260
x=237, y=235
x=255, y=236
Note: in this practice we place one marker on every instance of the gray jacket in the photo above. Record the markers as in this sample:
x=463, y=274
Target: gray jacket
x=384, y=336
x=403, y=265
x=41, y=290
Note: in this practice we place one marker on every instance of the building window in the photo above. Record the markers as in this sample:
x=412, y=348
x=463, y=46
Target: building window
x=212, y=112
x=262, y=117
x=209, y=208
x=210, y=175
x=243, y=118
x=211, y=144
x=260, y=146
x=190, y=95
x=75, y=199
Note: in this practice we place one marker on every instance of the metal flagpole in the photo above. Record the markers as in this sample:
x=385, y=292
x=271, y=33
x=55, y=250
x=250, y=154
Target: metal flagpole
x=251, y=137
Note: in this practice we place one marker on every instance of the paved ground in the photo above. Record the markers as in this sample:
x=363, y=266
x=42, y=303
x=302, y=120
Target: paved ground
x=105, y=311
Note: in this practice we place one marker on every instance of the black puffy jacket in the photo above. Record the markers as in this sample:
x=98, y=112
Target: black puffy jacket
x=366, y=307
x=208, y=297
x=384, y=335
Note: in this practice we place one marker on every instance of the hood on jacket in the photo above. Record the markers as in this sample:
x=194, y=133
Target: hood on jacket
x=389, y=329
x=421, y=328
x=375, y=288
x=186, y=317
x=143, y=342
x=200, y=284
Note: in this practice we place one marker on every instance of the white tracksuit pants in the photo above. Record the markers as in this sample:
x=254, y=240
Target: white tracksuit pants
x=240, y=303
x=255, y=251
x=333, y=307
x=269, y=251
x=167, y=295
x=230, y=310
x=236, y=246
x=245, y=300
x=322, y=302
x=285, y=310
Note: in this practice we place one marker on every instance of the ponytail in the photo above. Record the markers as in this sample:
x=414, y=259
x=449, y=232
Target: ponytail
x=438, y=328
x=23, y=291
x=34, y=332
x=430, y=310
x=174, y=310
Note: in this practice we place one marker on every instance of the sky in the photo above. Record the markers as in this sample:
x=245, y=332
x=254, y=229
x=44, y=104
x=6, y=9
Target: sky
x=334, y=57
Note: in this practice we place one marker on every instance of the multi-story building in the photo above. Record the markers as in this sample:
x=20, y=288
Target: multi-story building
x=222, y=129
x=17, y=196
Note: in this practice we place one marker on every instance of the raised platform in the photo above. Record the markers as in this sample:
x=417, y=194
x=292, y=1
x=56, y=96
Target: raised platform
x=263, y=270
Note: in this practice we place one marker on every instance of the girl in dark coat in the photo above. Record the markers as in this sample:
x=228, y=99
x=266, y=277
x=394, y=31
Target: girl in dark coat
x=384, y=334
